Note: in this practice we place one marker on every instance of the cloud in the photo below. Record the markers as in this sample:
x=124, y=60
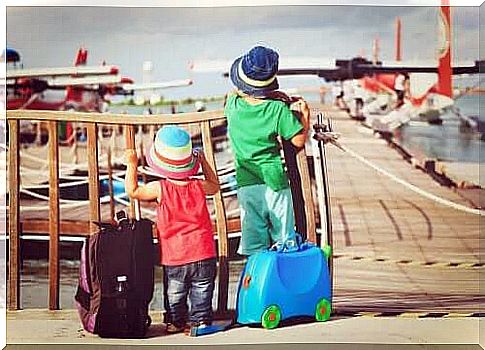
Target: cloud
x=171, y=37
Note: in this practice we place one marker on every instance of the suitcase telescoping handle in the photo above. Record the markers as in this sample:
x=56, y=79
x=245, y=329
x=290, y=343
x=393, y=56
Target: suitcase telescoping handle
x=135, y=211
x=291, y=244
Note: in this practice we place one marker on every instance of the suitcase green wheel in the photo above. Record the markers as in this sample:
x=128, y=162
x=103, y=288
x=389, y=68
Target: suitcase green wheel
x=323, y=311
x=271, y=317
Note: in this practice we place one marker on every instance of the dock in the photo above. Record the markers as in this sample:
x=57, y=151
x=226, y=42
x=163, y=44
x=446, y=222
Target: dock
x=406, y=267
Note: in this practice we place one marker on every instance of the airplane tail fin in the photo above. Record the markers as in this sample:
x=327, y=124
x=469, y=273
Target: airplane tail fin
x=444, y=51
x=444, y=85
x=74, y=96
x=81, y=57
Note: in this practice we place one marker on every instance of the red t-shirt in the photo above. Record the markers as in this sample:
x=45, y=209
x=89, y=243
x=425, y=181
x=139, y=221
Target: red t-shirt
x=184, y=224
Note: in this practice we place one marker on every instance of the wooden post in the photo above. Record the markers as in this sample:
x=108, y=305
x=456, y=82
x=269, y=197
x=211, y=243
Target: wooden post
x=53, y=216
x=290, y=154
x=130, y=144
x=221, y=224
x=306, y=187
x=110, y=186
x=13, y=216
x=93, y=172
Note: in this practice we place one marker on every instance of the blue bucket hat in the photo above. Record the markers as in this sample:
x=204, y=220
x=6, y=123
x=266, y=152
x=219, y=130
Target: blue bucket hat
x=255, y=72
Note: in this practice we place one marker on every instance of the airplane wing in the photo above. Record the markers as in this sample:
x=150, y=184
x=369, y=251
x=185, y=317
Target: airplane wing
x=358, y=67
x=62, y=81
x=156, y=86
x=61, y=71
x=207, y=66
x=331, y=69
x=91, y=83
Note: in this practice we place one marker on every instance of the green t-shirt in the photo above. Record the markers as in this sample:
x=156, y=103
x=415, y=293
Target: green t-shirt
x=253, y=131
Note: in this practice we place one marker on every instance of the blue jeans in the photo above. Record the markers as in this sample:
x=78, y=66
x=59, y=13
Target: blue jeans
x=196, y=281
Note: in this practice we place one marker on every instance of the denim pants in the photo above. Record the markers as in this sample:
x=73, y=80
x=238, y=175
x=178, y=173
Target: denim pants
x=194, y=281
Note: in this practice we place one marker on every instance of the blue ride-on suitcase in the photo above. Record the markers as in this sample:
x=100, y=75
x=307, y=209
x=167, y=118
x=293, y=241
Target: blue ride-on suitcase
x=293, y=280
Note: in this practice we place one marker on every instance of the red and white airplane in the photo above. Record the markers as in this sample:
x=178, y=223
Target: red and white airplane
x=80, y=87
x=431, y=89
x=430, y=93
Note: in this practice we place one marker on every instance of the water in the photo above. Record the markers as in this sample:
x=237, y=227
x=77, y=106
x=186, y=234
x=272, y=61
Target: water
x=162, y=109
x=35, y=282
x=446, y=142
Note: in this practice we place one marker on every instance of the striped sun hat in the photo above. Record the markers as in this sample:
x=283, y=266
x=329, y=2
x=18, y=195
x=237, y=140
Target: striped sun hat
x=171, y=154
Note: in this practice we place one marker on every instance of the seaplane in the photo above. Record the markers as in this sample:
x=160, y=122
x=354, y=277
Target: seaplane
x=370, y=89
x=79, y=88
x=369, y=85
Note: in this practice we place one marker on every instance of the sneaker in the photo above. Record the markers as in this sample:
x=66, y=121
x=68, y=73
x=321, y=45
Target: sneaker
x=200, y=324
x=192, y=327
x=172, y=328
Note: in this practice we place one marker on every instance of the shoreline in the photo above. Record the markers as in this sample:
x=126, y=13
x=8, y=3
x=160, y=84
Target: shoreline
x=467, y=187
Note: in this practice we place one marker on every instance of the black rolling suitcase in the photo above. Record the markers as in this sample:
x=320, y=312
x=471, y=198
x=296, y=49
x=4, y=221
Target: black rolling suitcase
x=117, y=279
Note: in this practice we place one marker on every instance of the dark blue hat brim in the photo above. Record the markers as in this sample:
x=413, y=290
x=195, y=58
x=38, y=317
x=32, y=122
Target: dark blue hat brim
x=249, y=89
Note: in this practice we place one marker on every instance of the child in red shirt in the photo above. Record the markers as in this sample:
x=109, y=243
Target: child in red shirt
x=188, y=254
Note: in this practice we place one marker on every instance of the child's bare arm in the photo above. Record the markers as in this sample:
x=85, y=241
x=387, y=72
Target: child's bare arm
x=148, y=192
x=299, y=139
x=211, y=182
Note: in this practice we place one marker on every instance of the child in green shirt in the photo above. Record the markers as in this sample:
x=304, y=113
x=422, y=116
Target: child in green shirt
x=255, y=121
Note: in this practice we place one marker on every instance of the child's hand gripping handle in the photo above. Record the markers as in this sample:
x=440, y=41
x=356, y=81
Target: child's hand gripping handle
x=131, y=156
x=300, y=107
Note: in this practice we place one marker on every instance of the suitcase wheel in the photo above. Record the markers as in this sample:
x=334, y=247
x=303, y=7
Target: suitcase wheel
x=323, y=311
x=271, y=317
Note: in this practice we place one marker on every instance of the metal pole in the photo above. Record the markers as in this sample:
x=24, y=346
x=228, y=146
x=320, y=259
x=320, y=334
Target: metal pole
x=321, y=177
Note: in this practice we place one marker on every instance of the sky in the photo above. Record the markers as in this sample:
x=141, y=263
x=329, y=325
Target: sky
x=173, y=37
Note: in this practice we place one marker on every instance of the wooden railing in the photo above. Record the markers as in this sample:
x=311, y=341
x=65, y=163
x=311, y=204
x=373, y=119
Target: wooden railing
x=91, y=122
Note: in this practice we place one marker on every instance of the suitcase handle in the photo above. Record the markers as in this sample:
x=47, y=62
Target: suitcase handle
x=289, y=245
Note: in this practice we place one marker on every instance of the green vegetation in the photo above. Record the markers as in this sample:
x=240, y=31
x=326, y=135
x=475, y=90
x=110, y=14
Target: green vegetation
x=186, y=101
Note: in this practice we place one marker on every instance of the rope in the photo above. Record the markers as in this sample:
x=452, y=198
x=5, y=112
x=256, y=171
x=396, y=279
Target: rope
x=62, y=166
x=82, y=180
x=30, y=100
x=419, y=191
x=67, y=203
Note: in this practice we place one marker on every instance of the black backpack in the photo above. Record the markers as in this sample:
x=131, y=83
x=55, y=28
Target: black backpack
x=116, y=279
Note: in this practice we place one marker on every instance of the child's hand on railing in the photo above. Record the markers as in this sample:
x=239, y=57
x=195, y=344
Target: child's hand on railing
x=301, y=106
x=131, y=157
x=199, y=153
